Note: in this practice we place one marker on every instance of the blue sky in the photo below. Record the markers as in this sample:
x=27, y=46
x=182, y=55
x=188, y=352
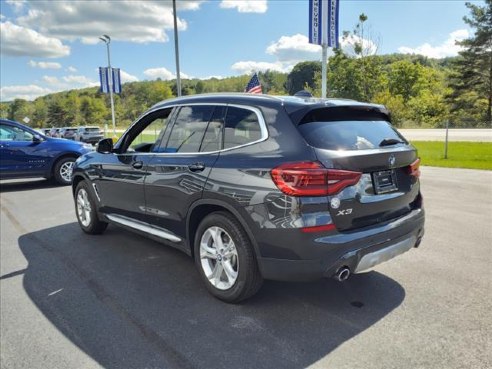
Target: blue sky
x=49, y=46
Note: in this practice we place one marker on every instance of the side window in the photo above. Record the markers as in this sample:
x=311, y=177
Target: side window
x=6, y=133
x=241, y=127
x=212, y=140
x=189, y=128
x=148, y=132
x=11, y=133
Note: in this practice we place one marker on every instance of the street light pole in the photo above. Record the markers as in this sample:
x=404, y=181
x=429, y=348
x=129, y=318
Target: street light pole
x=176, y=50
x=107, y=40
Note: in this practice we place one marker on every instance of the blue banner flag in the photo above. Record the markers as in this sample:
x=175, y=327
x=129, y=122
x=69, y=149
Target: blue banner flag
x=104, y=79
x=116, y=81
x=323, y=22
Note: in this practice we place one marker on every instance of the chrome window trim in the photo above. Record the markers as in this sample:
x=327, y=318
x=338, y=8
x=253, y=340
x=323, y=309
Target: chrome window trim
x=259, y=115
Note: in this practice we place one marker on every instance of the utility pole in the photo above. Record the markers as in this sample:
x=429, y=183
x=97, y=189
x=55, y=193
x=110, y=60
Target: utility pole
x=107, y=40
x=176, y=49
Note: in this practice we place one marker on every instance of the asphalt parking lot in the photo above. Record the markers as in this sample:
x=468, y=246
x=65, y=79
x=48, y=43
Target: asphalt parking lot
x=69, y=300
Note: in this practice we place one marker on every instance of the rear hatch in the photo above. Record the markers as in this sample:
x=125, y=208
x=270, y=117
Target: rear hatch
x=92, y=132
x=360, y=139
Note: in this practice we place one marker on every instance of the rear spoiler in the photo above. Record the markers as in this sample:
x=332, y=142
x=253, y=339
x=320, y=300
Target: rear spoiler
x=329, y=113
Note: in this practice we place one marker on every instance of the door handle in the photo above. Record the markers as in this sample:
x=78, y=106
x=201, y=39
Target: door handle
x=197, y=167
x=138, y=165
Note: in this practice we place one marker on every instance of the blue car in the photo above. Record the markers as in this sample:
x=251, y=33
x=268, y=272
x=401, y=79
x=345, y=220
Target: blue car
x=26, y=153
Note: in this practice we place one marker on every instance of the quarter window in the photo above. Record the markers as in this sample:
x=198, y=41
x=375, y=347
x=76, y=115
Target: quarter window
x=241, y=127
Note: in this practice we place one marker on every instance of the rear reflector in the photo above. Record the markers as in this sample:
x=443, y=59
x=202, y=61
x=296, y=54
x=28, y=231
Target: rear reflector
x=414, y=168
x=321, y=228
x=312, y=179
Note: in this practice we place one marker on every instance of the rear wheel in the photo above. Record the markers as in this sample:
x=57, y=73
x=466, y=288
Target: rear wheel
x=225, y=258
x=85, y=208
x=63, y=170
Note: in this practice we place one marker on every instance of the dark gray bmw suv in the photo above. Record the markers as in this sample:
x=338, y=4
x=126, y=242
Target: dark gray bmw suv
x=259, y=187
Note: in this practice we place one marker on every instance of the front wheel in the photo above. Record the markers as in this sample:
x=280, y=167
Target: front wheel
x=225, y=258
x=63, y=170
x=86, y=211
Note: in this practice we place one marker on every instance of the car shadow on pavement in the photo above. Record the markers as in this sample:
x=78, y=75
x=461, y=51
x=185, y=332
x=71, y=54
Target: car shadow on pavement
x=129, y=302
x=26, y=185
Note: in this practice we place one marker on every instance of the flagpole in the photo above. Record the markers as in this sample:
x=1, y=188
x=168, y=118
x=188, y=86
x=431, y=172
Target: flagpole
x=324, y=61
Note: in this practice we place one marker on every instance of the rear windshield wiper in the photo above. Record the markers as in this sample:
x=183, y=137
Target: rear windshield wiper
x=390, y=141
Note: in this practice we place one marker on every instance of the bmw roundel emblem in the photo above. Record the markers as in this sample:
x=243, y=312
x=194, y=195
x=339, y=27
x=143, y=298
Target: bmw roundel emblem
x=392, y=160
x=335, y=203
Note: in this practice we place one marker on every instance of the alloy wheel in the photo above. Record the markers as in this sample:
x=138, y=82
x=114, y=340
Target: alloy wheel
x=83, y=207
x=218, y=258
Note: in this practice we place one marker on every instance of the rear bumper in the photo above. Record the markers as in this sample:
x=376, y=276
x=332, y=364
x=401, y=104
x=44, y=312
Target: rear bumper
x=358, y=250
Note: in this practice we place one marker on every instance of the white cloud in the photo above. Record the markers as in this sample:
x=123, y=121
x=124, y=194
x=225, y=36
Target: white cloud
x=71, y=69
x=44, y=65
x=134, y=21
x=163, y=73
x=79, y=81
x=348, y=45
x=16, y=4
x=2, y=17
x=294, y=48
x=127, y=77
x=246, y=67
x=21, y=41
x=290, y=50
x=26, y=92
x=69, y=82
x=287, y=50
x=51, y=80
x=245, y=6
x=447, y=48
x=210, y=77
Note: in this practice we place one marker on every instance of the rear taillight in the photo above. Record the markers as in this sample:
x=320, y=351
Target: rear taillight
x=414, y=168
x=312, y=179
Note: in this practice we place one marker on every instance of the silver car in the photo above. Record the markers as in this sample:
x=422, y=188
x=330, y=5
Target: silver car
x=89, y=134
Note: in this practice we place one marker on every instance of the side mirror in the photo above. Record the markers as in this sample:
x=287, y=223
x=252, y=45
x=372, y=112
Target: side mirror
x=105, y=146
x=37, y=139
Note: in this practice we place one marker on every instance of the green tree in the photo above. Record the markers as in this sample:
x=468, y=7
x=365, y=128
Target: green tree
x=57, y=115
x=472, y=71
x=303, y=73
x=40, y=114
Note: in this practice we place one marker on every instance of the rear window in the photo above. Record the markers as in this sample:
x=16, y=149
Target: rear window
x=92, y=129
x=348, y=134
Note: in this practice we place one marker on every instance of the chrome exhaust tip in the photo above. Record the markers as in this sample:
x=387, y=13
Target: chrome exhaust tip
x=343, y=274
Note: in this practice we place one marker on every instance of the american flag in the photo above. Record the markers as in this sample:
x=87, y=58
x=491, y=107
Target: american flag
x=253, y=85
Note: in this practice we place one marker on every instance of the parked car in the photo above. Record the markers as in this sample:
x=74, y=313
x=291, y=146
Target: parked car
x=44, y=131
x=68, y=133
x=26, y=153
x=259, y=187
x=55, y=132
x=90, y=134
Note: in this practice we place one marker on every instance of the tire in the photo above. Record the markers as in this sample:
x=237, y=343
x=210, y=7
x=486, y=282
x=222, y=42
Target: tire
x=238, y=275
x=62, y=170
x=85, y=209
